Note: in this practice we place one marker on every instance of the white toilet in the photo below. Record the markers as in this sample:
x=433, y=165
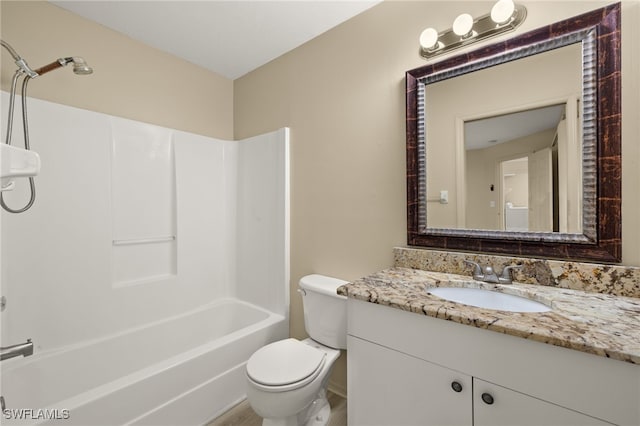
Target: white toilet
x=287, y=380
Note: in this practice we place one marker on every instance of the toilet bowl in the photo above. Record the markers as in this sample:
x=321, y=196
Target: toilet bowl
x=287, y=380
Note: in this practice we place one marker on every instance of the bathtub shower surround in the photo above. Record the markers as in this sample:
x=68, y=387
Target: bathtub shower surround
x=615, y=280
x=152, y=265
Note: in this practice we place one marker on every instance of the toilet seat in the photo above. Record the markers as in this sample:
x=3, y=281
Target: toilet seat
x=285, y=365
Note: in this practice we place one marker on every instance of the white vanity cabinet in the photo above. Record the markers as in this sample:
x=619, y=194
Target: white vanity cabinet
x=392, y=388
x=402, y=368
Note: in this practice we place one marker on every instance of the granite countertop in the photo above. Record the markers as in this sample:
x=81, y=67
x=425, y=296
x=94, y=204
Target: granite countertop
x=595, y=323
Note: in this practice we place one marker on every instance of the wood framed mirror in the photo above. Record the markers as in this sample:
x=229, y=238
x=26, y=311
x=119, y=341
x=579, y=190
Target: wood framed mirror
x=571, y=208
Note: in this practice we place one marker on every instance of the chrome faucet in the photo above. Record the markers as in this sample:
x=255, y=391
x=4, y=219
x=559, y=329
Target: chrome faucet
x=488, y=275
x=24, y=349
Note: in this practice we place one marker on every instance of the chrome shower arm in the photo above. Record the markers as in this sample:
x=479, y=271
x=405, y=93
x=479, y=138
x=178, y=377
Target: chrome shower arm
x=21, y=63
x=11, y=50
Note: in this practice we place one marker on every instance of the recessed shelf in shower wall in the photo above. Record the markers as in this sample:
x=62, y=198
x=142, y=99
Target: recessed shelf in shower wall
x=143, y=201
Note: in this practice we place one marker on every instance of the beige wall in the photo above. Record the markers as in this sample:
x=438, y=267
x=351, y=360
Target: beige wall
x=130, y=79
x=342, y=94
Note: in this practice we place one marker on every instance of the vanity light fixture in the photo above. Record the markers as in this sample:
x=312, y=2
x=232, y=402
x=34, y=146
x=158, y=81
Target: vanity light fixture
x=463, y=26
x=505, y=16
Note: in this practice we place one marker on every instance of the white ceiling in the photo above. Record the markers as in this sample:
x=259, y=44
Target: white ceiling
x=231, y=37
x=490, y=131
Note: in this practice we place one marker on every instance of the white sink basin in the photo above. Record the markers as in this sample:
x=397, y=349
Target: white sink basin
x=488, y=299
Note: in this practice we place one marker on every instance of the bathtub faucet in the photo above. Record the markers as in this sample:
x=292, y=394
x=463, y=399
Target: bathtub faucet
x=24, y=349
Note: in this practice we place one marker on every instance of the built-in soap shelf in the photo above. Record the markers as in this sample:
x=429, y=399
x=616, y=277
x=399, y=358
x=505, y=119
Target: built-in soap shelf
x=143, y=260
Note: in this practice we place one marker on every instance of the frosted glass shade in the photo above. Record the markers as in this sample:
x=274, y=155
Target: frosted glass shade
x=463, y=24
x=502, y=11
x=429, y=38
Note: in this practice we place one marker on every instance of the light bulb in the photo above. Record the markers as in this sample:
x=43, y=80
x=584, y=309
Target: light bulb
x=463, y=24
x=502, y=11
x=429, y=38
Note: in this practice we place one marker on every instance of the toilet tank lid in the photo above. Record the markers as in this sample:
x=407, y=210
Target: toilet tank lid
x=322, y=284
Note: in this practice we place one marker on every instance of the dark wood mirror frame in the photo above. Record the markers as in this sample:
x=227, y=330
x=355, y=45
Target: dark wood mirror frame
x=606, y=243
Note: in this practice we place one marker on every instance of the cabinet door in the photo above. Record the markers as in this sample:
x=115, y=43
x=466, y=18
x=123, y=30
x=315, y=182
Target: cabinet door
x=386, y=387
x=494, y=405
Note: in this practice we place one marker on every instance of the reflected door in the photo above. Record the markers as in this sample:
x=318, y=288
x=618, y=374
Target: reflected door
x=541, y=191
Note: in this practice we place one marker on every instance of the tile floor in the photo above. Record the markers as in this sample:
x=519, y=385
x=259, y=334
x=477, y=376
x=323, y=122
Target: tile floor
x=243, y=415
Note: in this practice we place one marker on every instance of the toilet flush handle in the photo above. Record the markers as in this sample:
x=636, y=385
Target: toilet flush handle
x=302, y=291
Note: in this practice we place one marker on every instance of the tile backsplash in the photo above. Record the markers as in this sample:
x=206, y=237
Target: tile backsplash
x=608, y=279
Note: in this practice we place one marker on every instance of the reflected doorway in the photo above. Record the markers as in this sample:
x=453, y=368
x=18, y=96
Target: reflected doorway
x=527, y=199
x=515, y=194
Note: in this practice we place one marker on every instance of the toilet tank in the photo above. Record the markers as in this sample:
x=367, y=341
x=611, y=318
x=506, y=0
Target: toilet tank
x=325, y=311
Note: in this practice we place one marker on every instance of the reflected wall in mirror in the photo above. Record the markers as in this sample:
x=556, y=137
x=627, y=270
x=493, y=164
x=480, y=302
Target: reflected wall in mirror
x=515, y=148
x=512, y=110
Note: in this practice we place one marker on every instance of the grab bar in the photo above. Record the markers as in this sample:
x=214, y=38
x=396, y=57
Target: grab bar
x=24, y=349
x=144, y=240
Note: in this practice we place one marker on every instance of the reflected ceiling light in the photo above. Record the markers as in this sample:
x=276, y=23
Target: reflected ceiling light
x=505, y=16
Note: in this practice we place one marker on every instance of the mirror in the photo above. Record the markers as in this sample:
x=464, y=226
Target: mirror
x=515, y=148
x=497, y=114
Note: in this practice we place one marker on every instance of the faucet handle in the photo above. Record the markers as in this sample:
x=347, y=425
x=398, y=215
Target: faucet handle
x=477, y=270
x=505, y=278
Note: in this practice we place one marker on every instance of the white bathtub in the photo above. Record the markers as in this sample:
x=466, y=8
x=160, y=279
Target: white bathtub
x=185, y=370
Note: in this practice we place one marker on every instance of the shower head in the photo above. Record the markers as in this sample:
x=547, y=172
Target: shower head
x=80, y=67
